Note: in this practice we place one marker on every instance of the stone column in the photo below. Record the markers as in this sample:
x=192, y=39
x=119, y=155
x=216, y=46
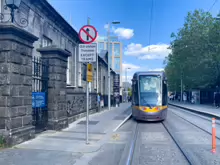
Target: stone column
x=16, y=83
x=57, y=112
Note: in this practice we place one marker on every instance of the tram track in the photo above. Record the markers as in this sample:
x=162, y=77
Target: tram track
x=199, y=127
x=136, y=134
x=200, y=115
x=178, y=144
x=175, y=141
x=132, y=147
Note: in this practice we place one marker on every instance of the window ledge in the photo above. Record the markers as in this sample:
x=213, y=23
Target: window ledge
x=71, y=86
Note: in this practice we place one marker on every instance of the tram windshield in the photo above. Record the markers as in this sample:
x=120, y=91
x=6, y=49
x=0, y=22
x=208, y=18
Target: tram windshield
x=150, y=90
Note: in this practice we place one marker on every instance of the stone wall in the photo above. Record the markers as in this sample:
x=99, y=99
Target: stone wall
x=76, y=97
x=76, y=104
x=57, y=59
x=17, y=48
x=16, y=83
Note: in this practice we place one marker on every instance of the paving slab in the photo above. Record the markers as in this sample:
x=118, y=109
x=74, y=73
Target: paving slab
x=69, y=144
x=37, y=157
x=195, y=142
x=200, y=108
x=154, y=146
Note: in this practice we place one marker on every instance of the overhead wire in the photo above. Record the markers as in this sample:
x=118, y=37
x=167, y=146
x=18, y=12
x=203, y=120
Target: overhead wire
x=151, y=19
x=214, y=3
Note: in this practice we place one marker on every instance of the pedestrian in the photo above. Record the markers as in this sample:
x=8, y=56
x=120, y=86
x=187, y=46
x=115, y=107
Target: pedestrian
x=102, y=102
x=171, y=97
x=217, y=99
x=98, y=99
x=214, y=99
x=184, y=97
x=117, y=100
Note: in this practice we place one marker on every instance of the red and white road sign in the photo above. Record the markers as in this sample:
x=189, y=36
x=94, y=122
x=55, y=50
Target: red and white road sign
x=87, y=34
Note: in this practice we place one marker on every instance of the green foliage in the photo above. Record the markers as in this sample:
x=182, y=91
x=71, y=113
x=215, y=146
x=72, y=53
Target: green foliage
x=2, y=142
x=195, y=53
x=129, y=92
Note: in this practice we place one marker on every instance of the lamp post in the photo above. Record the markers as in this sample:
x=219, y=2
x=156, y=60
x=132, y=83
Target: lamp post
x=109, y=75
x=13, y=5
x=126, y=85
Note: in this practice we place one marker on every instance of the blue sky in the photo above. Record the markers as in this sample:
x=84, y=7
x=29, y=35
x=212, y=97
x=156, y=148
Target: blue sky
x=134, y=15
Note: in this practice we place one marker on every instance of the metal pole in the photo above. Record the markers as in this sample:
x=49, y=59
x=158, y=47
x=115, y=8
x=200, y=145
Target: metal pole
x=97, y=73
x=109, y=81
x=126, y=84
x=181, y=88
x=87, y=100
x=87, y=110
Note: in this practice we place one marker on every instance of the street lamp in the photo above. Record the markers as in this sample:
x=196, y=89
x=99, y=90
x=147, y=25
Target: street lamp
x=109, y=75
x=13, y=5
x=126, y=83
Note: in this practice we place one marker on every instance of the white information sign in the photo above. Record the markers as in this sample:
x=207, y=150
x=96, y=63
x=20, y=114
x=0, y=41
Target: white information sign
x=87, y=52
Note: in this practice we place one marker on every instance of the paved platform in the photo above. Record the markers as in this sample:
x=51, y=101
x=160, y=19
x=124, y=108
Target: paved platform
x=69, y=144
x=200, y=108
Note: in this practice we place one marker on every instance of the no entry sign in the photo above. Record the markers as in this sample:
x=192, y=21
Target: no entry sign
x=87, y=34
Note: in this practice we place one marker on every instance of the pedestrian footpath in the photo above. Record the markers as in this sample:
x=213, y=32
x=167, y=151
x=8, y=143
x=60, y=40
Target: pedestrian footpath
x=200, y=108
x=68, y=146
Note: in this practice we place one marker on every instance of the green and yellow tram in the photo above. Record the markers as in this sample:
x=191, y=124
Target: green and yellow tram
x=149, y=96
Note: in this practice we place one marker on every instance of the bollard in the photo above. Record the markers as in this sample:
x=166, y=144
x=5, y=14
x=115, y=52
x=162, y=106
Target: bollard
x=213, y=136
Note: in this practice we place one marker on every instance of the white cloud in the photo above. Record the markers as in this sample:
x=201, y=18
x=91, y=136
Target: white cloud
x=159, y=51
x=100, y=38
x=130, y=72
x=129, y=78
x=156, y=69
x=106, y=26
x=131, y=67
x=122, y=33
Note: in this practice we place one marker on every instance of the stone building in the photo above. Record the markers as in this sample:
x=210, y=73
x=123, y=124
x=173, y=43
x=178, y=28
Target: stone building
x=40, y=61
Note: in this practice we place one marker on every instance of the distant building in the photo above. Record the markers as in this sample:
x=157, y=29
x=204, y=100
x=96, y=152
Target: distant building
x=116, y=54
x=126, y=85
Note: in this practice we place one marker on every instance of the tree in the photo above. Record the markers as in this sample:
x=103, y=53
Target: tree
x=129, y=92
x=195, y=53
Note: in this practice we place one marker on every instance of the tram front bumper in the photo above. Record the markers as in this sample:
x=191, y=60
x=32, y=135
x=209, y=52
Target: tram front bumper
x=148, y=116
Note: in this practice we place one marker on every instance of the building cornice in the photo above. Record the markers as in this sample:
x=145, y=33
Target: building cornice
x=56, y=18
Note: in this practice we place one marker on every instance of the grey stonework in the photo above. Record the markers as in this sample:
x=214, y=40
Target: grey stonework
x=16, y=83
x=76, y=97
x=57, y=59
x=103, y=80
x=17, y=49
x=76, y=103
x=46, y=23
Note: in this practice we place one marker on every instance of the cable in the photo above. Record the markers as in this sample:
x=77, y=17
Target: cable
x=212, y=5
x=151, y=19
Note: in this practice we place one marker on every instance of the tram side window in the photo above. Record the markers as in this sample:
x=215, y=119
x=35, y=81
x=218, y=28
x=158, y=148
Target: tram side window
x=135, y=93
x=164, y=93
